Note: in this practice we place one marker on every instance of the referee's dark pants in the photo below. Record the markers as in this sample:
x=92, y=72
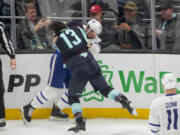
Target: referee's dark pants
x=2, y=108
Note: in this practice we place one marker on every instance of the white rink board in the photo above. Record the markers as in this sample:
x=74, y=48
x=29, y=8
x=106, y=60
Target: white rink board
x=143, y=68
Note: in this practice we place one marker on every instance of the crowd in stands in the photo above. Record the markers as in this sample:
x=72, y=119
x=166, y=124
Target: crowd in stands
x=126, y=23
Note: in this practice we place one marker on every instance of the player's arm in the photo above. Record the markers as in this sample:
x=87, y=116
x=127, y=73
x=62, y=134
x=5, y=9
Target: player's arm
x=6, y=42
x=154, y=122
x=7, y=45
x=95, y=46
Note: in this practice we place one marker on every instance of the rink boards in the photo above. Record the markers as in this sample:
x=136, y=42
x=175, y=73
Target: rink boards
x=135, y=75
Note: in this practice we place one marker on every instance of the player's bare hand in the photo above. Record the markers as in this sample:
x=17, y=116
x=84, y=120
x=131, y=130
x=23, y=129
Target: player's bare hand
x=88, y=45
x=13, y=64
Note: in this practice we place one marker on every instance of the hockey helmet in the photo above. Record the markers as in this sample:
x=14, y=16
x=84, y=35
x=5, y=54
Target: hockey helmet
x=95, y=26
x=95, y=9
x=169, y=81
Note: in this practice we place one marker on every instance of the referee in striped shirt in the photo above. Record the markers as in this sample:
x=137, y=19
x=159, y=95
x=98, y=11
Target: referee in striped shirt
x=7, y=45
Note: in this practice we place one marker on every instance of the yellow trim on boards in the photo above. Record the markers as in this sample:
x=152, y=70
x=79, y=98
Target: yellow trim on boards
x=44, y=113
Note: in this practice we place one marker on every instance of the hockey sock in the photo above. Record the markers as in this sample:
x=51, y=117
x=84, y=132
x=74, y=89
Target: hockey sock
x=78, y=117
x=113, y=94
x=44, y=96
x=63, y=101
x=77, y=111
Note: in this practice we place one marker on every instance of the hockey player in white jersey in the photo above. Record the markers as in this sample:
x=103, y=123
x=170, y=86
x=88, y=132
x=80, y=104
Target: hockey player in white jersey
x=164, y=118
x=94, y=43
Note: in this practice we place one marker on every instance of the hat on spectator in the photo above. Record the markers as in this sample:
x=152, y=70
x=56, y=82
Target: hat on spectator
x=131, y=5
x=95, y=9
x=165, y=4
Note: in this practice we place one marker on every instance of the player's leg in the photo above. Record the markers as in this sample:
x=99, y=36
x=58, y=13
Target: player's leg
x=76, y=87
x=40, y=99
x=57, y=78
x=63, y=101
x=45, y=95
x=56, y=113
x=99, y=83
x=2, y=107
x=2, y=110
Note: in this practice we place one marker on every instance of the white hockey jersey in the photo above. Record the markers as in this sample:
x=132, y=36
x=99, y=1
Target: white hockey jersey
x=95, y=46
x=164, y=118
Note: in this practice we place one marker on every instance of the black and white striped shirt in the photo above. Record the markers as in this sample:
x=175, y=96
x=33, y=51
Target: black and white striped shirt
x=6, y=41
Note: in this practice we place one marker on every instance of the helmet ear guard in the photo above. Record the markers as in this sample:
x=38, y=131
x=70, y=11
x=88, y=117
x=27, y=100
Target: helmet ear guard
x=168, y=81
x=95, y=25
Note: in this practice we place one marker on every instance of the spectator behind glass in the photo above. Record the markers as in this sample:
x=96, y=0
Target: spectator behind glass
x=5, y=11
x=96, y=12
x=33, y=30
x=39, y=5
x=131, y=29
x=143, y=9
x=36, y=5
x=101, y=3
x=121, y=4
x=168, y=27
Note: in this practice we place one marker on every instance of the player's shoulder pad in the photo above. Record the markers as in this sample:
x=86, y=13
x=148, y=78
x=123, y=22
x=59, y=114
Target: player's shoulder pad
x=157, y=101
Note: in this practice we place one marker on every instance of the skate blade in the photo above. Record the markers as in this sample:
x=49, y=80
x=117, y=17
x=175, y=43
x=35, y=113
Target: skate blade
x=52, y=118
x=78, y=133
x=134, y=112
x=22, y=116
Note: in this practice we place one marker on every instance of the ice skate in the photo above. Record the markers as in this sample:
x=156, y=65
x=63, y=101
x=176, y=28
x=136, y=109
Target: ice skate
x=126, y=104
x=79, y=129
x=26, y=113
x=2, y=123
x=57, y=114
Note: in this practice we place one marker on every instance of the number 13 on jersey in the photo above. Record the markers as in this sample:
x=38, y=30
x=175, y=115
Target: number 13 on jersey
x=70, y=32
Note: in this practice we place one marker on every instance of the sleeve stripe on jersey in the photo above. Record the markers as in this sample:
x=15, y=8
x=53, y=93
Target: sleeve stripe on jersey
x=157, y=125
x=7, y=43
x=155, y=131
x=154, y=127
x=52, y=69
x=83, y=33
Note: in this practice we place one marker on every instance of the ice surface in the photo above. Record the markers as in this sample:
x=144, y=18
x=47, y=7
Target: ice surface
x=94, y=127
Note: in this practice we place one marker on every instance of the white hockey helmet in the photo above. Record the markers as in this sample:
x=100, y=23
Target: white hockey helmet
x=95, y=26
x=169, y=81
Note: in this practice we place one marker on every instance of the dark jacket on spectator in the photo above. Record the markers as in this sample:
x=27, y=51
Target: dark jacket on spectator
x=135, y=36
x=170, y=38
x=31, y=39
